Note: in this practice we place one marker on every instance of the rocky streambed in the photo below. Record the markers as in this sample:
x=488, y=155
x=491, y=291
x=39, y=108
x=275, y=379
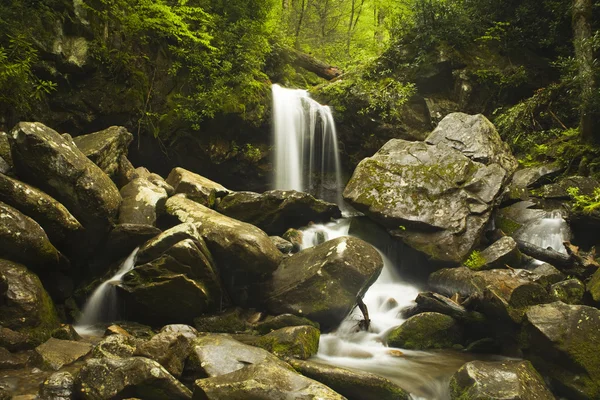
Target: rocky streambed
x=223, y=302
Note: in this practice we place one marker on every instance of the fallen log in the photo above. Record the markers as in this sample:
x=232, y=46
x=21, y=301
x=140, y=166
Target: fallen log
x=553, y=257
x=310, y=63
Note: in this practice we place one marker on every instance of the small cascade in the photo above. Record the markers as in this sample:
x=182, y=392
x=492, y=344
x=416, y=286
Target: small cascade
x=102, y=305
x=306, y=148
x=550, y=231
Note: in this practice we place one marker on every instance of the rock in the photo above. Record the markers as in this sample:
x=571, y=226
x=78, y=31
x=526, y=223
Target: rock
x=272, y=323
x=570, y=291
x=294, y=236
x=230, y=321
x=24, y=305
x=482, y=380
x=322, y=283
x=107, y=378
x=196, y=187
x=58, y=223
x=529, y=178
x=277, y=210
x=169, y=349
x=4, y=167
x=510, y=219
x=58, y=386
x=216, y=355
x=353, y=384
x=424, y=331
x=546, y=274
x=297, y=341
x=124, y=173
x=142, y=203
x=267, y=381
x=5, y=151
x=187, y=331
x=157, y=180
x=283, y=245
x=23, y=240
x=66, y=332
x=116, y=330
x=137, y=330
x=562, y=341
x=504, y=294
x=593, y=286
x=126, y=237
x=56, y=353
x=501, y=253
x=115, y=346
x=52, y=163
x=12, y=361
x=105, y=148
x=158, y=245
x=433, y=197
x=14, y=341
x=245, y=254
x=476, y=137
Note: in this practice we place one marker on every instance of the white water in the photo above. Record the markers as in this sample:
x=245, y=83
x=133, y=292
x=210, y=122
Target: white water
x=550, y=231
x=102, y=305
x=306, y=147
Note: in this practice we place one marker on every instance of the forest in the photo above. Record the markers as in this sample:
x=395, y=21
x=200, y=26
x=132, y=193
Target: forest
x=316, y=199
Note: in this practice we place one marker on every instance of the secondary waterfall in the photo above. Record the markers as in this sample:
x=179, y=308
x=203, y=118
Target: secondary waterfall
x=306, y=147
x=102, y=305
x=549, y=231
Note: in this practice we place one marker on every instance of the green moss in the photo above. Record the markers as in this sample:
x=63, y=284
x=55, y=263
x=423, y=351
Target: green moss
x=507, y=225
x=475, y=261
x=299, y=342
x=426, y=331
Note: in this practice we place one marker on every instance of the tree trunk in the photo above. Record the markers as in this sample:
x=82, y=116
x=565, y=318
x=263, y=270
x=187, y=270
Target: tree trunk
x=311, y=64
x=299, y=26
x=584, y=54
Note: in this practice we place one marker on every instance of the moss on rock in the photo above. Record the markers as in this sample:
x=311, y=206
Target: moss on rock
x=427, y=330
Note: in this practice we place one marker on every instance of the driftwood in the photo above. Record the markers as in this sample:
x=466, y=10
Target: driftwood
x=365, y=323
x=559, y=260
x=309, y=63
x=434, y=302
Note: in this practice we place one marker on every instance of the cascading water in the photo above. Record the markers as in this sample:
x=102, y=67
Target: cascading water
x=102, y=305
x=306, y=148
x=550, y=231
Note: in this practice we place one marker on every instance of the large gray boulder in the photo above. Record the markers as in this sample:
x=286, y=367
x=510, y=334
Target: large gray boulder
x=143, y=202
x=23, y=240
x=105, y=148
x=54, y=164
x=196, y=187
x=245, y=255
x=24, y=306
x=510, y=379
x=135, y=377
x=433, y=197
x=58, y=223
x=169, y=349
x=563, y=342
x=321, y=283
x=58, y=386
x=55, y=353
x=277, y=210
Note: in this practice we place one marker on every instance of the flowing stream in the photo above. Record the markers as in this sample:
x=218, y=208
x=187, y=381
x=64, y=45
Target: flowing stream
x=102, y=306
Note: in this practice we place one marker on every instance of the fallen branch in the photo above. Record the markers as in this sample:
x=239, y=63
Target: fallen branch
x=365, y=323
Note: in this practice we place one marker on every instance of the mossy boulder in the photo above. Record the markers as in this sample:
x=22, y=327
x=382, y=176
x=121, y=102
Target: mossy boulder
x=53, y=163
x=115, y=346
x=297, y=341
x=229, y=321
x=272, y=323
x=143, y=202
x=125, y=237
x=25, y=305
x=105, y=148
x=353, y=384
x=498, y=255
x=510, y=379
x=245, y=255
x=563, y=341
x=56, y=353
x=284, y=246
x=434, y=197
x=295, y=237
x=277, y=210
x=5, y=151
x=61, y=227
x=169, y=349
x=428, y=330
x=23, y=240
x=570, y=291
x=593, y=286
x=58, y=386
x=322, y=283
x=196, y=187
x=107, y=378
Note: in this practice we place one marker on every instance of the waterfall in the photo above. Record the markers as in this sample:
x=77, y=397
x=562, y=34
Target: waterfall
x=550, y=231
x=306, y=148
x=102, y=305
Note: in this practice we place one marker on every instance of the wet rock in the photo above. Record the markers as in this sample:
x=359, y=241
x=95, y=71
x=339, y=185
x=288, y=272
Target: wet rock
x=58, y=223
x=56, y=353
x=24, y=305
x=515, y=380
x=530, y=178
x=593, y=286
x=476, y=137
x=157, y=180
x=142, y=203
x=283, y=245
x=58, y=386
x=272, y=323
x=187, y=331
x=128, y=377
x=353, y=384
x=196, y=187
x=66, y=332
x=169, y=349
x=297, y=341
x=563, y=342
x=13, y=341
x=52, y=163
x=267, y=381
x=137, y=330
x=116, y=345
x=230, y=321
x=501, y=253
x=433, y=197
x=510, y=219
x=126, y=237
x=294, y=236
x=277, y=210
x=9, y=360
x=427, y=330
x=322, y=283
x=570, y=291
x=105, y=148
x=546, y=274
x=245, y=254
x=23, y=240
x=116, y=330
x=503, y=294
